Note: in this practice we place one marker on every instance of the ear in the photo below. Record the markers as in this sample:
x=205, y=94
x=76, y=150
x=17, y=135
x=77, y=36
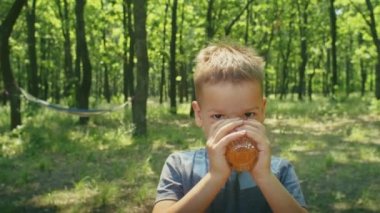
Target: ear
x=197, y=113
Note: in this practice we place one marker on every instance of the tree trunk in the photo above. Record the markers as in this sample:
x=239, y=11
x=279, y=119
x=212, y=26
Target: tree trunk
x=163, y=57
x=363, y=71
x=10, y=84
x=348, y=65
x=266, y=42
x=326, y=84
x=106, y=83
x=210, y=31
x=376, y=41
x=333, y=33
x=172, y=63
x=82, y=61
x=68, y=58
x=310, y=85
x=129, y=52
x=131, y=55
x=183, y=72
x=44, y=73
x=32, y=69
x=247, y=23
x=304, y=56
x=285, y=59
x=139, y=100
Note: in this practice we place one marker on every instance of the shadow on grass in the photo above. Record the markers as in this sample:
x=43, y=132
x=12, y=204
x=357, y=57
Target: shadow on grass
x=51, y=164
x=99, y=167
x=338, y=165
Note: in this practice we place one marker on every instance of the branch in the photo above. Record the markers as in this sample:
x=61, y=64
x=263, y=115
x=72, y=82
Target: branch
x=9, y=21
x=227, y=28
x=361, y=13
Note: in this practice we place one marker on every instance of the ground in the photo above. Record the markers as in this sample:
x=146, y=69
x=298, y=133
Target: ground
x=51, y=164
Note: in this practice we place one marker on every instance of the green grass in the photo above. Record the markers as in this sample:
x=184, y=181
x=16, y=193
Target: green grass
x=51, y=164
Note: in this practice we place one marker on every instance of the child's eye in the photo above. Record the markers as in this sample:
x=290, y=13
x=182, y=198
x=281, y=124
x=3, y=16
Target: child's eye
x=217, y=116
x=249, y=115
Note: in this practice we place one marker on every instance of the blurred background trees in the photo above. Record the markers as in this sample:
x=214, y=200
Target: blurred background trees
x=75, y=52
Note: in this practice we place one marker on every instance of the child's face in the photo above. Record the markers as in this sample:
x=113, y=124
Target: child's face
x=229, y=100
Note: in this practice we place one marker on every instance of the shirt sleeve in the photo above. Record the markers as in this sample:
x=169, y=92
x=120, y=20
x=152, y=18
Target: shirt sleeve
x=290, y=181
x=170, y=186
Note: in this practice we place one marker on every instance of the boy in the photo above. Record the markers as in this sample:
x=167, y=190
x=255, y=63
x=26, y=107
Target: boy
x=229, y=105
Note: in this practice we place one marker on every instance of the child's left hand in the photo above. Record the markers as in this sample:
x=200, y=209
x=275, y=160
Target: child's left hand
x=256, y=131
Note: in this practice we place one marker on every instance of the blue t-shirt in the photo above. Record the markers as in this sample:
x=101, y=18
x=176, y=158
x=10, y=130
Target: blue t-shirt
x=183, y=170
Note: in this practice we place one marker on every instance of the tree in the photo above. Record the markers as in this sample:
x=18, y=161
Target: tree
x=333, y=34
x=376, y=42
x=82, y=61
x=129, y=52
x=139, y=100
x=32, y=69
x=172, y=62
x=68, y=58
x=228, y=27
x=163, y=56
x=285, y=55
x=363, y=71
x=183, y=86
x=210, y=28
x=303, y=22
x=10, y=83
x=106, y=84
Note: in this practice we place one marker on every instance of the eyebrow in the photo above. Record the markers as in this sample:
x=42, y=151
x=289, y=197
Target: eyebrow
x=221, y=111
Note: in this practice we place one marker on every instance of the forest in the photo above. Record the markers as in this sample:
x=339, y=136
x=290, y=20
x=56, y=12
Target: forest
x=64, y=62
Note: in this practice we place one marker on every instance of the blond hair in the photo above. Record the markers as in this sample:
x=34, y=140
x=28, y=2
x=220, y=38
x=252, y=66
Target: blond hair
x=226, y=62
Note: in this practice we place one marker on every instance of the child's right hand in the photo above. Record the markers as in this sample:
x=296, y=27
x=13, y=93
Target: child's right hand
x=220, y=135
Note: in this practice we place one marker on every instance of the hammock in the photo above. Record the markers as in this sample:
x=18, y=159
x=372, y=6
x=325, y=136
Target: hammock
x=72, y=111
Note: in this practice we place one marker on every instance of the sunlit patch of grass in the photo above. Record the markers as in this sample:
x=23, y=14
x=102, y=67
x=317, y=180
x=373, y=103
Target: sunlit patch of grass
x=11, y=147
x=51, y=163
x=86, y=194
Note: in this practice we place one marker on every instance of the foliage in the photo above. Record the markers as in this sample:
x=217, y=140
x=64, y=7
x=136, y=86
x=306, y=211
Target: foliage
x=271, y=23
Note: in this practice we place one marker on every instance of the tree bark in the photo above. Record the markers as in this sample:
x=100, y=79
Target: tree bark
x=348, y=65
x=210, y=31
x=106, y=84
x=247, y=23
x=31, y=40
x=10, y=83
x=83, y=65
x=163, y=57
x=172, y=63
x=139, y=100
x=183, y=72
x=310, y=85
x=44, y=73
x=333, y=33
x=376, y=41
x=303, y=43
x=363, y=71
x=68, y=58
x=129, y=50
x=285, y=61
x=326, y=84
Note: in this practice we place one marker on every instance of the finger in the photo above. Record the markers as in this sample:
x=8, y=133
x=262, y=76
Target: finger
x=224, y=141
x=254, y=123
x=217, y=125
x=259, y=139
x=226, y=129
